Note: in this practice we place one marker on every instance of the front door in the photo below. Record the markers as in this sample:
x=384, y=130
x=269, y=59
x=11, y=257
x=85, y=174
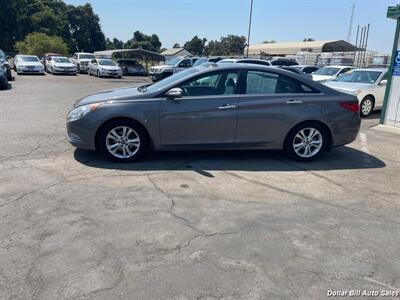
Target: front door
x=205, y=115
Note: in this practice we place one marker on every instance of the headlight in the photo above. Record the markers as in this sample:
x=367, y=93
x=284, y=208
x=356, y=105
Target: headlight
x=81, y=111
x=158, y=70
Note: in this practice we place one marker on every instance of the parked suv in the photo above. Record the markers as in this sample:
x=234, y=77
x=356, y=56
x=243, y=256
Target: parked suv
x=172, y=66
x=4, y=63
x=82, y=60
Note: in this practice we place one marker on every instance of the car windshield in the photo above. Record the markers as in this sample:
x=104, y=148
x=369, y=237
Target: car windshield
x=360, y=77
x=173, y=62
x=106, y=62
x=167, y=81
x=60, y=59
x=86, y=56
x=327, y=71
x=29, y=58
x=200, y=61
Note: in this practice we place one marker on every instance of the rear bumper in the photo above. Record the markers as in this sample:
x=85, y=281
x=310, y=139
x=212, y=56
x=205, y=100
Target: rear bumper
x=346, y=131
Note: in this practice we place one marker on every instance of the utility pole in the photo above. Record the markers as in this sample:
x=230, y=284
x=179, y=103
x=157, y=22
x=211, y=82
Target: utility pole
x=350, y=32
x=248, y=36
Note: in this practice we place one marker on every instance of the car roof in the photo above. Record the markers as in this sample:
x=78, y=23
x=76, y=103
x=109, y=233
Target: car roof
x=340, y=67
x=372, y=69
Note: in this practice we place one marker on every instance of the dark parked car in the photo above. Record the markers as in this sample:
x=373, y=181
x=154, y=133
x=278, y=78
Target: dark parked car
x=306, y=69
x=283, y=62
x=228, y=106
x=4, y=63
x=131, y=67
x=3, y=78
x=295, y=70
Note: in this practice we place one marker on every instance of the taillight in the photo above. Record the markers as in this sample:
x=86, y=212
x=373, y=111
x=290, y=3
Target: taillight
x=352, y=106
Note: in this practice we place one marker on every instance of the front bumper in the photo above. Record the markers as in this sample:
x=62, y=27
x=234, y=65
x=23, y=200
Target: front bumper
x=67, y=72
x=110, y=74
x=25, y=71
x=83, y=68
x=82, y=133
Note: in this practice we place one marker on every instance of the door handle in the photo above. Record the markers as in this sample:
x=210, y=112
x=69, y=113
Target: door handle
x=227, y=106
x=294, y=101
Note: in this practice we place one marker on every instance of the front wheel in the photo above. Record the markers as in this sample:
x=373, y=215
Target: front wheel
x=122, y=141
x=306, y=142
x=366, y=106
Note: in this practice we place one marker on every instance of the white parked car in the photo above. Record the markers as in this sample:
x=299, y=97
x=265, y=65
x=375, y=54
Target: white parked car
x=367, y=84
x=61, y=65
x=104, y=68
x=330, y=72
x=28, y=64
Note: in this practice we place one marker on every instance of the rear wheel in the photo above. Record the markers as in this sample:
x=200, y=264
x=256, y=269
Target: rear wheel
x=122, y=141
x=306, y=142
x=98, y=73
x=366, y=106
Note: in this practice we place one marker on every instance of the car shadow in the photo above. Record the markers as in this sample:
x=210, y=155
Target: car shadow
x=343, y=158
x=376, y=114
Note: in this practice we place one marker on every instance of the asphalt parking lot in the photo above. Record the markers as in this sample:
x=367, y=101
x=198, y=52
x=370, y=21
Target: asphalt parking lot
x=187, y=225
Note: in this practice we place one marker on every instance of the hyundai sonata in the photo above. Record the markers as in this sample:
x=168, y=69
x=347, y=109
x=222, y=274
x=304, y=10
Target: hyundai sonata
x=229, y=106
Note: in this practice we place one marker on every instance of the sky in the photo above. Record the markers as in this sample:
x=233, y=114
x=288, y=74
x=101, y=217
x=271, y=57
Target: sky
x=176, y=21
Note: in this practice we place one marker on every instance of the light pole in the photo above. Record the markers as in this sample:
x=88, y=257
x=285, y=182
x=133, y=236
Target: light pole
x=248, y=35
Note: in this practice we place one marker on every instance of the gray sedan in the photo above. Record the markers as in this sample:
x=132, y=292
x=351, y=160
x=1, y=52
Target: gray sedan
x=230, y=106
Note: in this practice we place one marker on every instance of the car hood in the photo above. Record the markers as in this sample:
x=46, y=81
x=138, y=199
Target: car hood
x=126, y=93
x=347, y=86
x=322, y=77
x=111, y=68
x=162, y=67
x=68, y=65
x=31, y=64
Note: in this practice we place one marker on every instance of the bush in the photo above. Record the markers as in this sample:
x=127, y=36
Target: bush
x=37, y=43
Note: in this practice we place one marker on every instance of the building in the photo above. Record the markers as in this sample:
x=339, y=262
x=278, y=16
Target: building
x=292, y=48
x=175, y=52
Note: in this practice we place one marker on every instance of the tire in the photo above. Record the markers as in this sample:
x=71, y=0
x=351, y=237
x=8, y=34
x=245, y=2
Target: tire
x=306, y=141
x=78, y=68
x=4, y=86
x=98, y=74
x=366, y=106
x=89, y=73
x=125, y=71
x=112, y=134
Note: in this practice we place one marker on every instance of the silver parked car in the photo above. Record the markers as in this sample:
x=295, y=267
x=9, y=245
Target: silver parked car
x=104, y=68
x=229, y=106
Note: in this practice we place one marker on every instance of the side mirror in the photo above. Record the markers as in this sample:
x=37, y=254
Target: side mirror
x=383, y=82
x=174, y=93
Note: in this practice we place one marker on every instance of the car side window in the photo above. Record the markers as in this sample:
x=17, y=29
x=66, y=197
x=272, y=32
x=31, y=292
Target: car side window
x=345, y=70
x=185, y=63
x=309, y=70
x=268, y=83
x=261, y=82
x=94, y=62
x=219, y=83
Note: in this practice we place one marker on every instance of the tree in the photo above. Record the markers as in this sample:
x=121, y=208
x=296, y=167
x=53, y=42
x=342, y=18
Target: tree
x=78, y=26
x=114, y=44
x=229, y=45
x=40, y=43
x=195, y=45
x=176, y=45
x=308, y=40
x=143, y=41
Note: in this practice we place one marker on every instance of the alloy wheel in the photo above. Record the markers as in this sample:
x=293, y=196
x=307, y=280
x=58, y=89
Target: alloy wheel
x=123, y=142
x=366, y=106
x=307, y=142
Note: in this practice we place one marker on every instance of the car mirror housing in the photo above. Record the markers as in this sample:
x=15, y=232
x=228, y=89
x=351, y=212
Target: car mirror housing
x=174, y=93
x=383, y=82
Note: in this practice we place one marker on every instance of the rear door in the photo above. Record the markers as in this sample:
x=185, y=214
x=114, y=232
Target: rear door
x=205, y=115
x=270, y=105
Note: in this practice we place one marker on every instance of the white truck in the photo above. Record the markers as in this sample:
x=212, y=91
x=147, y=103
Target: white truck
x=172, y=66
x=81, y=61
